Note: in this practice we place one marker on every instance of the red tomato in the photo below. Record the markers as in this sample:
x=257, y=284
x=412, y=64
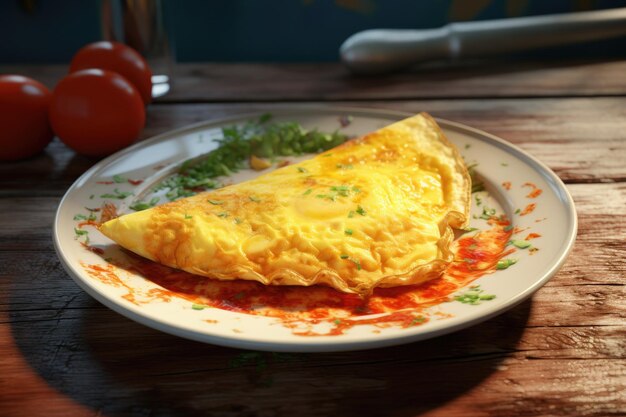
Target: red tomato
x=119, y=58
x=24, y=126
x=96, y=112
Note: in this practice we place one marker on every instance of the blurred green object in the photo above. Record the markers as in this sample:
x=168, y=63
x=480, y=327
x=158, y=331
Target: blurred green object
x=277, y=30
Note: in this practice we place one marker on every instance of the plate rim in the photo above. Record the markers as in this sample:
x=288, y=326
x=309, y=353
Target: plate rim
x=324, y=344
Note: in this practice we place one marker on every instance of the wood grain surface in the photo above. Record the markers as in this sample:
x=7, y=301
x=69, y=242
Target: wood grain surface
x=560, y=353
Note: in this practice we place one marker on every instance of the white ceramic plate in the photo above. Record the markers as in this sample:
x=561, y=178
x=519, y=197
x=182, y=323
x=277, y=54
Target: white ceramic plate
x=554, y=218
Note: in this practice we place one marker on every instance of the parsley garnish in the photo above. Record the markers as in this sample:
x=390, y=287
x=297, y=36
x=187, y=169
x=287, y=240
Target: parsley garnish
x=349, y=232
x=505, y=263
x=303, y=170
x=474, y=296
x=238, y=143
x=361, y=211
x=80, y=232
x=354, y=261
x=141, y=205
x=118, y=179
x=488, y=213
x=91, y=217
x=222, y=214
x=307, y=192
x=216, y=202
x=522, y=244
x=120, y=195
x=255, y=199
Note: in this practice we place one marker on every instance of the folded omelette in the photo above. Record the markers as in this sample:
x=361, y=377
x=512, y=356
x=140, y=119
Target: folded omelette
x=376, y=211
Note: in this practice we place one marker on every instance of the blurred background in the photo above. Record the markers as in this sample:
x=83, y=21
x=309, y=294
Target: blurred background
x=50, y=31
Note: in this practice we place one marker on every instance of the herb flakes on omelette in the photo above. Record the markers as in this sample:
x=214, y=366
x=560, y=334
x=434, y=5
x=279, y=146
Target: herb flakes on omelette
x=376, y=211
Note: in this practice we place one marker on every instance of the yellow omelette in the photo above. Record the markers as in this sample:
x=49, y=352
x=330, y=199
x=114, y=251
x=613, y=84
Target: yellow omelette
x=376, y=211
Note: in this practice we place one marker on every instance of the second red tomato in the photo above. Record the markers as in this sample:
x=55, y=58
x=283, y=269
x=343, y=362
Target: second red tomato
x=117, y=57
x=96, y=112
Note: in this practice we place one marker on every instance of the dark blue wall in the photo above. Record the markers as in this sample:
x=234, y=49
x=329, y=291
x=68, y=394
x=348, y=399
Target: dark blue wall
x=260, y=30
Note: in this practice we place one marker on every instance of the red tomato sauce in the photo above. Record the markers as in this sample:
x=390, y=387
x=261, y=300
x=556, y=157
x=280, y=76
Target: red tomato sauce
x=402, y=306
x=535, y=192
x=528, y=209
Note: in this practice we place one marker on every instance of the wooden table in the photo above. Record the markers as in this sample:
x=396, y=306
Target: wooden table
x=561, y=353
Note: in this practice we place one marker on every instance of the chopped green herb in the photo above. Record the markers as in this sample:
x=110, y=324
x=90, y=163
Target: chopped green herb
x=354, y=261
x=474, y=296
x=119, y=179
x=80, y=217
x=467, y=146
x=522, y=244
x=487, y=213
x=255, y=199
x=337, y=321
x=351, y=214
x=349, y=232
x=303, y=170
x=508, y=228
x=222, y=214
x=330, y=197
x=479, y=201
x=141, y=205
x=356, y=189
x=505, y=263
x=417, y=320
x=216, y=202
x=307, y=192
x=80, y=232
x=504, y=164
x=120, y=195
x=361, y=211
x=238, y=220
x=238, y=143
x=327, y=155
x=470, y=229
x=341, y=190
x=91, y=197
x=187, y=216
x=518, y=211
